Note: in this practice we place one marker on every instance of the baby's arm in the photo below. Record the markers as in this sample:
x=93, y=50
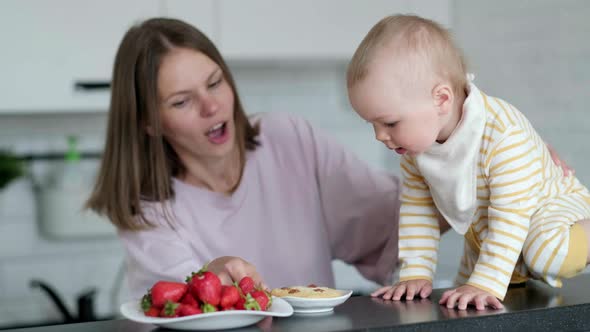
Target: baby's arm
x=418, y=236
x=514, y=178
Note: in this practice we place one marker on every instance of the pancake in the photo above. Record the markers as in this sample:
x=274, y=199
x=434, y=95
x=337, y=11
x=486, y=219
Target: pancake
x=310, y=291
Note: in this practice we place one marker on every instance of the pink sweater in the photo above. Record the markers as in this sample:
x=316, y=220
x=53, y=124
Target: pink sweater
x=302, y=202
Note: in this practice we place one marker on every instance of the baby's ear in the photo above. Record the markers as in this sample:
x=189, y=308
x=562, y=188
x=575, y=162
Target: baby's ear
x=442, y=96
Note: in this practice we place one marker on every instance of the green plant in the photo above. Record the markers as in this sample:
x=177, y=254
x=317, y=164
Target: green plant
x=11, y=167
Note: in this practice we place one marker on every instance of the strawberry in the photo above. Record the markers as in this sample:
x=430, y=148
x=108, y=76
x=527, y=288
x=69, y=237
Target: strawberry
x=206, y=287
x=189, y=310
x=189, y=299
x=171, y=309
x=247, y=303
x=163, y=291
x=208, y=308
x=263, y=299
x=229, y=296
x=152, y=312
x=147, y=307
x=246, y=285
x=146, y=301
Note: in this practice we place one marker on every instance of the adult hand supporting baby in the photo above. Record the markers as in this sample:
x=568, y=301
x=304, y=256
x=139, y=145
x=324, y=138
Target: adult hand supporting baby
x=555, y=157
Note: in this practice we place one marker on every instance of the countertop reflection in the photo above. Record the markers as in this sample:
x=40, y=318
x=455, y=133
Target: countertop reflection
x=534, y=306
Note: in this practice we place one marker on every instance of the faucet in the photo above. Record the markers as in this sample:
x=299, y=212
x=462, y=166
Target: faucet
x=85, y=303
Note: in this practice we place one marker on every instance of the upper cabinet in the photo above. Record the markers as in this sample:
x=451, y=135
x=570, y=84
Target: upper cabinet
x=308, y=29
x=49, y=46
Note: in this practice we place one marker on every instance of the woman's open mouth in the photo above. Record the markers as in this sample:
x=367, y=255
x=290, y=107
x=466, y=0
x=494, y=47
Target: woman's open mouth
x=218, y=134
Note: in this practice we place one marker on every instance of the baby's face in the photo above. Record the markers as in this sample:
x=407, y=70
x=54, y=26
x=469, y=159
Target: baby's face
x=404, y=117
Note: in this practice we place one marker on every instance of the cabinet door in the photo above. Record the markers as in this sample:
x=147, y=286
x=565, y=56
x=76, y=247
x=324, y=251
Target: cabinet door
x=47, y=46
x=200, y=13
x=316, y=29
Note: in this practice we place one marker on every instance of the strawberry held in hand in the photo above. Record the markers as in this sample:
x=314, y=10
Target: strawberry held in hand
x=263, y=299
x=246, y=285
x=247, y=303
x=229, y=296
x=206, y=287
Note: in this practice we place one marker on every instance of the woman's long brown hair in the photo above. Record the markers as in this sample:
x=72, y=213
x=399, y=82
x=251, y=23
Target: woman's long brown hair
x=137, y=166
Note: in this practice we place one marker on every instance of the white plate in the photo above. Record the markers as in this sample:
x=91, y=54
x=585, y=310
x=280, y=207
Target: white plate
x=208, y=321
x=303, y=305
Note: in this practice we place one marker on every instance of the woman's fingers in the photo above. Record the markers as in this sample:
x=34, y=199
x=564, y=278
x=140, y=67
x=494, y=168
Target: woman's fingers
x=238, y=268
x=225, y=278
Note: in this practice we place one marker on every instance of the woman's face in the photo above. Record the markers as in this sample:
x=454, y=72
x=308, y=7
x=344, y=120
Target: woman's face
x=196, y=105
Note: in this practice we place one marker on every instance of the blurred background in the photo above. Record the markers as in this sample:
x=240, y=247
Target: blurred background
x=58, y=263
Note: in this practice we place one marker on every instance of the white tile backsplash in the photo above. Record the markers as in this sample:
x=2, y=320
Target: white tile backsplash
x=531, y=53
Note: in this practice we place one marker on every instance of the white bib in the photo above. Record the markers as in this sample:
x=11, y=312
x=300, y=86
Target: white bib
x=450, y=169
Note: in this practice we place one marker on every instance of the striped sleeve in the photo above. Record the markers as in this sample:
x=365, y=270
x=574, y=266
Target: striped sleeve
x=419, y=232
x=514, y=179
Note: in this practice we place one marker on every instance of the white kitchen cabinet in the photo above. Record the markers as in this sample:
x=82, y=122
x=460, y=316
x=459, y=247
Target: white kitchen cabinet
x=49, y=45
x=308, y=29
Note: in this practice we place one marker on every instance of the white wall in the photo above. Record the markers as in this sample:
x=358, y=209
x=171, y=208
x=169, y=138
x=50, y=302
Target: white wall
x=534, y=54
x=531, y=53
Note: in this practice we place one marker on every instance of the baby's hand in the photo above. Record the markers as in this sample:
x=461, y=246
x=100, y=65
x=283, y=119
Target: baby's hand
x=409, y=288
x=467, y=294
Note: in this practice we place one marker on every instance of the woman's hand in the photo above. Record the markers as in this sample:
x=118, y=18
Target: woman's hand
x=410, y=288
x=467, y=294
x=230, y=269
x=566, y=169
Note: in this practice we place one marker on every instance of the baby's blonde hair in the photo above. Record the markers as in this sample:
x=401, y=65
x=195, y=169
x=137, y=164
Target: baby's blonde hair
x=427, y=44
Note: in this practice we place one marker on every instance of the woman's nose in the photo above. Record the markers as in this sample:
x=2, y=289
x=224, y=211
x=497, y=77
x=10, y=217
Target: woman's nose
x=208, y=105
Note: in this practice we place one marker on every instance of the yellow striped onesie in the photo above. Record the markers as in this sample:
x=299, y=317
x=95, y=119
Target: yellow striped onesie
x=494, y=181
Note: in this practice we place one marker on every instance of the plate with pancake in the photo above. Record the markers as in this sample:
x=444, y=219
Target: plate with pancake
x=312, y=299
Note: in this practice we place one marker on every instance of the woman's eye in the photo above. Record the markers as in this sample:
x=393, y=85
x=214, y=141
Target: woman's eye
x=216, y=83
x=390, y=124
x=179, y=104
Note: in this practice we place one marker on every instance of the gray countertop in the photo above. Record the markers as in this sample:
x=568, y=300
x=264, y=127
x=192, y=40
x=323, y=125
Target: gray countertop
x=536, y=307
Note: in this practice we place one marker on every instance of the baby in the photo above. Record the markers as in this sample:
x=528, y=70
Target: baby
x=469, y=161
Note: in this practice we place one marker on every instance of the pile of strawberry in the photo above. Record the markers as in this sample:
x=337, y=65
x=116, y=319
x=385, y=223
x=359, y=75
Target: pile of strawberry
x=203, y=293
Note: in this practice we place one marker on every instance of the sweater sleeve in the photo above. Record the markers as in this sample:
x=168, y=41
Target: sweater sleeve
x=360, y=205
x=419, y=232
x=515, y=175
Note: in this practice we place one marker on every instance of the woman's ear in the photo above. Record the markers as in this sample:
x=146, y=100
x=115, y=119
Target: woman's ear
x=442, y=96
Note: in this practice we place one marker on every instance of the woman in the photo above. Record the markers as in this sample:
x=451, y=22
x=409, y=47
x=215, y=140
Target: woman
x=189, y=179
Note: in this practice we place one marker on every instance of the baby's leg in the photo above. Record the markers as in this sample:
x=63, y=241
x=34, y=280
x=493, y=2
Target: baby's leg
x=586, y=225
x=577, y=256
x=557, y=244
